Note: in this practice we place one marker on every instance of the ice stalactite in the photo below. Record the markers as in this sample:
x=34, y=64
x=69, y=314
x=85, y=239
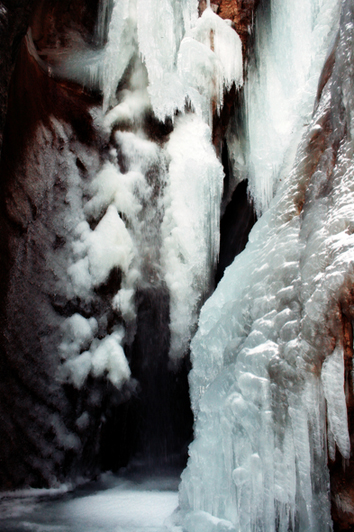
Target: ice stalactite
x=188, y=59
x=268, y=375
x=188, y=260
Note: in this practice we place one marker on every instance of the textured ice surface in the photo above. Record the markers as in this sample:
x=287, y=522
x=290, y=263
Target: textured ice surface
x=268, y=353
x=117, y=237
x=152, y=211
x=332, y=376
x=151, y=214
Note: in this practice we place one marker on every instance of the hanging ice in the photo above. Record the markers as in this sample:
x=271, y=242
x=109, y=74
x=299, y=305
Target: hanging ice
x=186, y=58
x=135, y=230
x=191, y=202
x=281, y=87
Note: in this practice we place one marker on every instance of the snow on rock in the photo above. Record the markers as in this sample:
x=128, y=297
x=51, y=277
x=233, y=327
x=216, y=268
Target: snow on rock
x=100, y=357
x=109, y=356
x=78, y=334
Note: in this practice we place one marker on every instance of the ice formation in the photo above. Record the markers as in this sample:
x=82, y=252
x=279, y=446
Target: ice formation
x=112, y=503
x=150, y=215
x=192, y=201
x=186, y=58
x=268, y=356
x=189, y=60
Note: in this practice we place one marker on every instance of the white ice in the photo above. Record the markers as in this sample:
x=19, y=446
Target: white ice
x=190, y=228
x=187, y=59
x=167, y=233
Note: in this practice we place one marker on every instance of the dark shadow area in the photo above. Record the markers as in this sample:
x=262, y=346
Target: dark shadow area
x=154, y=428
x=235, y=226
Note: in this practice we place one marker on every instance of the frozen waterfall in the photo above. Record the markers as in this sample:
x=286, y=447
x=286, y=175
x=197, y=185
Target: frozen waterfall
x=116, y=185
x=168, y=197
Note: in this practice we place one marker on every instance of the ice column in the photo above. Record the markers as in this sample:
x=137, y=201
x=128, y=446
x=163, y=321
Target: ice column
x=190, y=228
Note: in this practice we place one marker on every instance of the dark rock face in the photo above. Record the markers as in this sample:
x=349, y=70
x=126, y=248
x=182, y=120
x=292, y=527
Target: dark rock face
x=155, y=426
x=42, y=439
x=56, y=24
x=236, y=224
x=14, y=18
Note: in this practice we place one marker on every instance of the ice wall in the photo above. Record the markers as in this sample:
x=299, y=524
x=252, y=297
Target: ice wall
x=187, y=59
x=269, y=354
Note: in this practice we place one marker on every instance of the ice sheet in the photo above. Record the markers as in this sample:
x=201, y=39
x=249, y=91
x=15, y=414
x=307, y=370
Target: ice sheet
x=111, y=505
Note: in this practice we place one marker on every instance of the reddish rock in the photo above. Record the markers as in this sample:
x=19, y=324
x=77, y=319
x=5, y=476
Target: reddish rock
x=57, y=24
x=14, y=18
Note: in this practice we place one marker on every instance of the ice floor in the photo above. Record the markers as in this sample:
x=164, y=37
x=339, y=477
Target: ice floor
x=113, y=504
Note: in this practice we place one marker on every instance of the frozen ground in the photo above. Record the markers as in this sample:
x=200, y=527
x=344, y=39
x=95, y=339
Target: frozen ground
x=113, y=504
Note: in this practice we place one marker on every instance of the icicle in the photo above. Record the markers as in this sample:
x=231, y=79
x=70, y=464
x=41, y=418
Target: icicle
x=103, y=19
x=332, y=376
x=120, y=48
x=182, y=62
